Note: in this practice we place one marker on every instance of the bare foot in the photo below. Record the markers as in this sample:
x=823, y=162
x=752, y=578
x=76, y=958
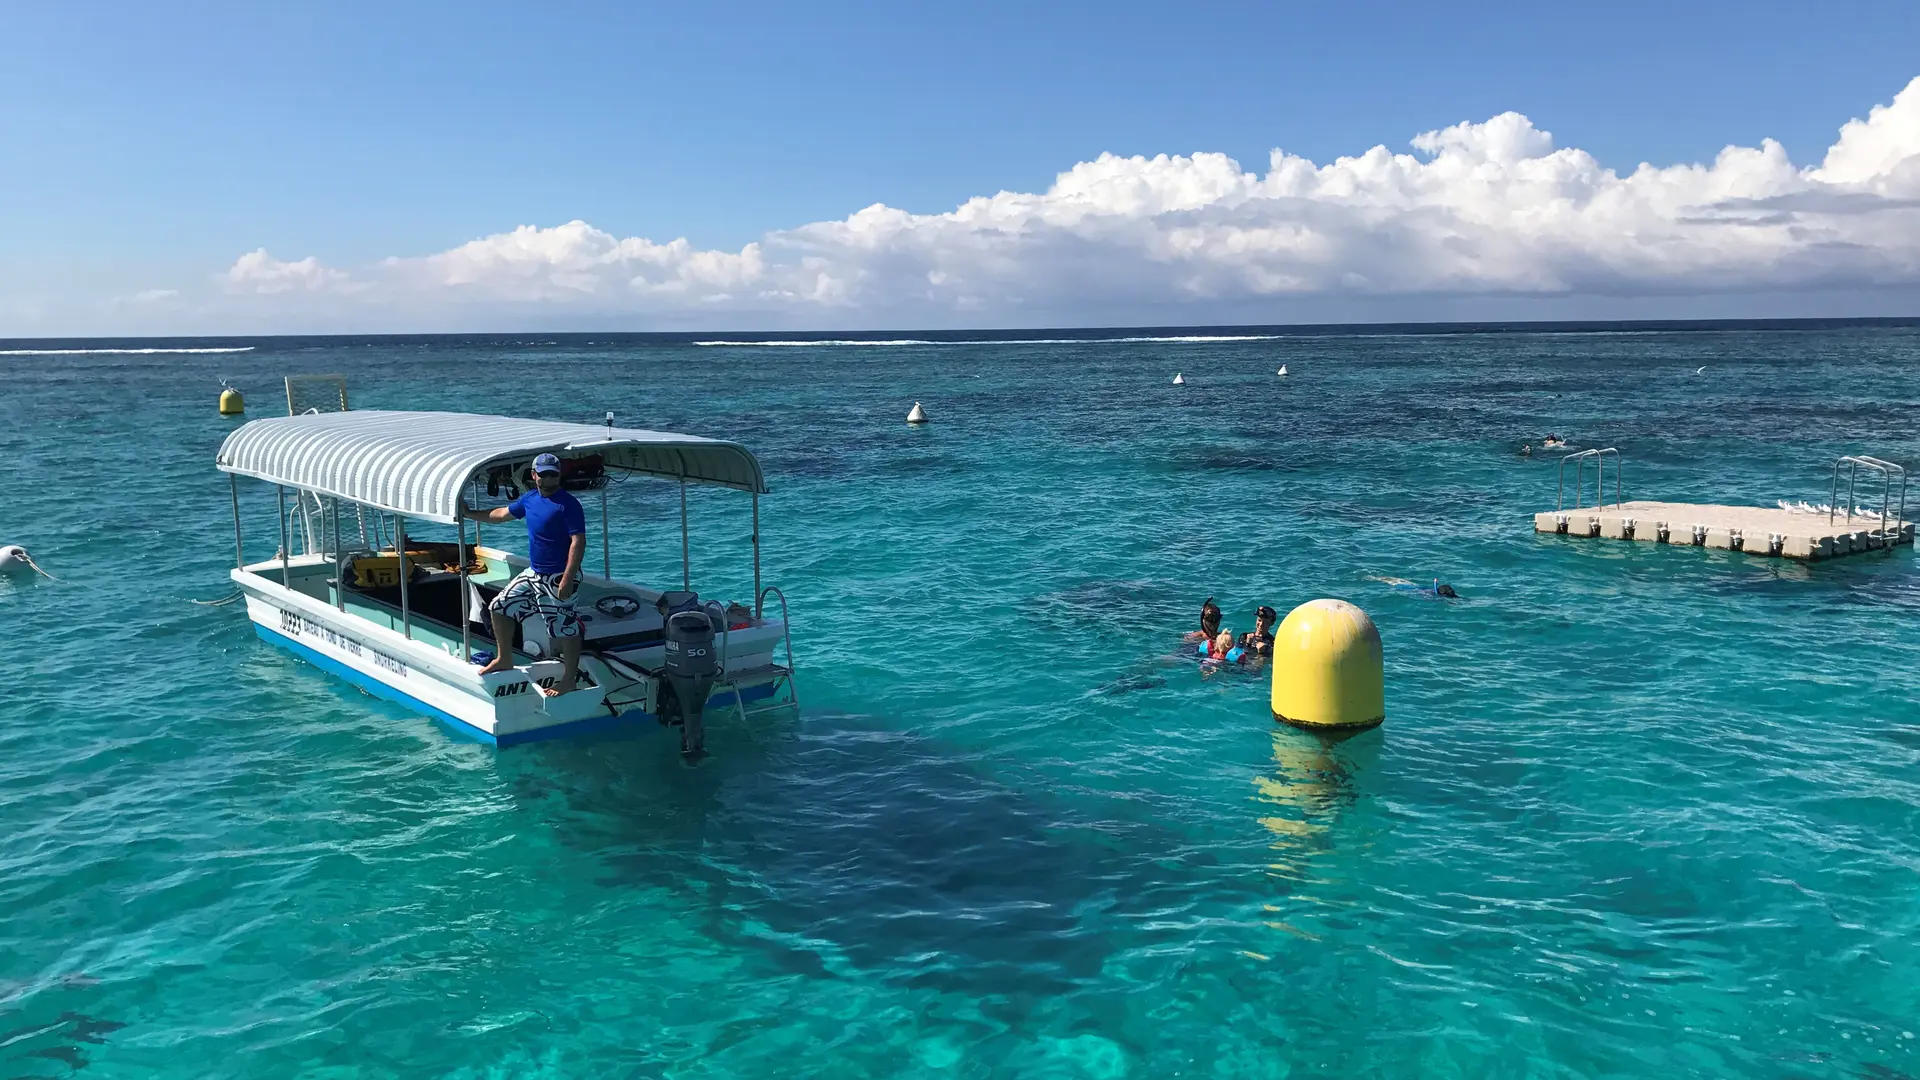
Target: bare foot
x=560, y=686
x=497, y=665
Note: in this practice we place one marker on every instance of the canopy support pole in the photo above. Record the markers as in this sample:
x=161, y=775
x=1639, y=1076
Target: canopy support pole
x=686, y=560
x=339, y=564
x=606, y=555
x=756, y=556
x=286, y=577
x=400, y=551
x=239, y=554
x=466, y=620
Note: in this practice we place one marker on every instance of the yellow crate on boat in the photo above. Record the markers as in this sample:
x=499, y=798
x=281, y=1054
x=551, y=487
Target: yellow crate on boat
x=383, y=571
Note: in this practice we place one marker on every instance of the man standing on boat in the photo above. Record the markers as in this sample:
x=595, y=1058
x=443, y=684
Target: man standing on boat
x=556, y=542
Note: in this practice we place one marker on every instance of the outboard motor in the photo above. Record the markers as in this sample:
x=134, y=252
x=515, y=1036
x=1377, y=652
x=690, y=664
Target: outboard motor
x=692, y=663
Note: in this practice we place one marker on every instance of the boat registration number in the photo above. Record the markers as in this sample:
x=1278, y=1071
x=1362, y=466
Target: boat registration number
x=300, y=626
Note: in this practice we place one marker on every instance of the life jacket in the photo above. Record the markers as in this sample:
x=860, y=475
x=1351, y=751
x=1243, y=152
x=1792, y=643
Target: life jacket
x=1231, y=656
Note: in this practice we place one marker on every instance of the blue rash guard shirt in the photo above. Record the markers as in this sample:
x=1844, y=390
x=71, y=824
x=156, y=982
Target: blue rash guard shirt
x=552, y=523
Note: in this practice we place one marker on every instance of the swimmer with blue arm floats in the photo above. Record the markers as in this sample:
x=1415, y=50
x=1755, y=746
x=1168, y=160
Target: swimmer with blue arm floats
x=1222, y=649
x=1219, y=653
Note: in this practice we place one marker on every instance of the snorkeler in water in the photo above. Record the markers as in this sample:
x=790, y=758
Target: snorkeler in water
x=1209, y=622
x=1438, y=589
x=1258, y=642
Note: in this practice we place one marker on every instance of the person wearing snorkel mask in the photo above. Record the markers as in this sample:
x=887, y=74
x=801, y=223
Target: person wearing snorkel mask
x=1209, y=622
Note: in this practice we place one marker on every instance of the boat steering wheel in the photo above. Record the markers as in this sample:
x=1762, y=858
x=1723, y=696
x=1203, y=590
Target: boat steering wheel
x=617, y=606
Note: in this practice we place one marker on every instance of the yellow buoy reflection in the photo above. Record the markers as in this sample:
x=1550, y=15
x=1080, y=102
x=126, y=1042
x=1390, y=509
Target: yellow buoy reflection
x=1301, y=799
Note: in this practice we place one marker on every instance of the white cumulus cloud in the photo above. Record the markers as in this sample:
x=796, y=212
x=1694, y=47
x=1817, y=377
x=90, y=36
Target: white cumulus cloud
x=259, y=272
x=1487, y=208
x=576, y=261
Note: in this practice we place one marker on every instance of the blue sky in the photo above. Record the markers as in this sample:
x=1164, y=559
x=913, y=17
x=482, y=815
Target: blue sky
x=148, y=147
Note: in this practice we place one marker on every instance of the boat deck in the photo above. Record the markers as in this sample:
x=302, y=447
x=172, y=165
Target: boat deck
x=427, y=630
x=1755, y=530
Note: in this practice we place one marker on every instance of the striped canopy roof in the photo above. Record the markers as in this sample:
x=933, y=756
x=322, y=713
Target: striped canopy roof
x=418, y=463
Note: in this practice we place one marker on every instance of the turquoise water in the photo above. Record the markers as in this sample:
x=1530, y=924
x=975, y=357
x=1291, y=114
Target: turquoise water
x=1634, y=812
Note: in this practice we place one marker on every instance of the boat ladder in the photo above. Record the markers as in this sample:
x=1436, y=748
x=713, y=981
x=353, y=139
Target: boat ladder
x=782, y=673
x=1881, y=537
x=1579, y=459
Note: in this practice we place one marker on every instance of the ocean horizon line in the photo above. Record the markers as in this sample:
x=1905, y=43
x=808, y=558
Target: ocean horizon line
x=1208, y=333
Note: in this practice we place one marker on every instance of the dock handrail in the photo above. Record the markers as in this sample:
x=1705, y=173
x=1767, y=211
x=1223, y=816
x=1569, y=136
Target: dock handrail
x=1886, y=469
x=1579, y=458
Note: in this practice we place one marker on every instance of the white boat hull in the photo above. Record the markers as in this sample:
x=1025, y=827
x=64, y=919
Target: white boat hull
x=502, y=708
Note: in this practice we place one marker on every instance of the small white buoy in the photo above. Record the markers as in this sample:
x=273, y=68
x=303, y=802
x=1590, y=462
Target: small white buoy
x=916, y=415
x=1282, y=371
x=1179, y=379
x=15, y=560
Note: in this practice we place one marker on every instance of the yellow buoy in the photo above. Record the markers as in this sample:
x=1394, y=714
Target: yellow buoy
x=1327, y=670
x=231, y=403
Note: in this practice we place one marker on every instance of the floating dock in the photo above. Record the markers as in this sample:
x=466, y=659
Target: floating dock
x=1810, y=533
x=1756, y=530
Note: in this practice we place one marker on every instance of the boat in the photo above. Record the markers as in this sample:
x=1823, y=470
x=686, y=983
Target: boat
x=1179, y=379
x=1282, y=371
x=413, y=628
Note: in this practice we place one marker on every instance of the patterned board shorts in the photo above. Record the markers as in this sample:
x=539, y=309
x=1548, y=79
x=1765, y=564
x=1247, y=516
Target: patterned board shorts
x=531, y=593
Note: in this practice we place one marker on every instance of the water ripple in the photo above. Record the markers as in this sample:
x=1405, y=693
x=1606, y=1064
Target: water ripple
x=1635, y=812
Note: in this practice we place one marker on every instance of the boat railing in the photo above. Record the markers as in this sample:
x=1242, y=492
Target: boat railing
x=1579, y=459
x=786, y=624
x=1887, y=470
x=718, y=616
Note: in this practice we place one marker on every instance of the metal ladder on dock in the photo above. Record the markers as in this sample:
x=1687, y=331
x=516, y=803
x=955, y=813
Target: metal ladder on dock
x=1579, y=459
x=1887, y=470
x=782, y=673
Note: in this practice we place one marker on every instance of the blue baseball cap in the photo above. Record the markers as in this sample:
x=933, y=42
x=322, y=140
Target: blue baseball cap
x=546, y=463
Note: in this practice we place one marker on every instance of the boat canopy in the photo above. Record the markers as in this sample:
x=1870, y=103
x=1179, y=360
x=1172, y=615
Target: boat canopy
x=418, y=463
